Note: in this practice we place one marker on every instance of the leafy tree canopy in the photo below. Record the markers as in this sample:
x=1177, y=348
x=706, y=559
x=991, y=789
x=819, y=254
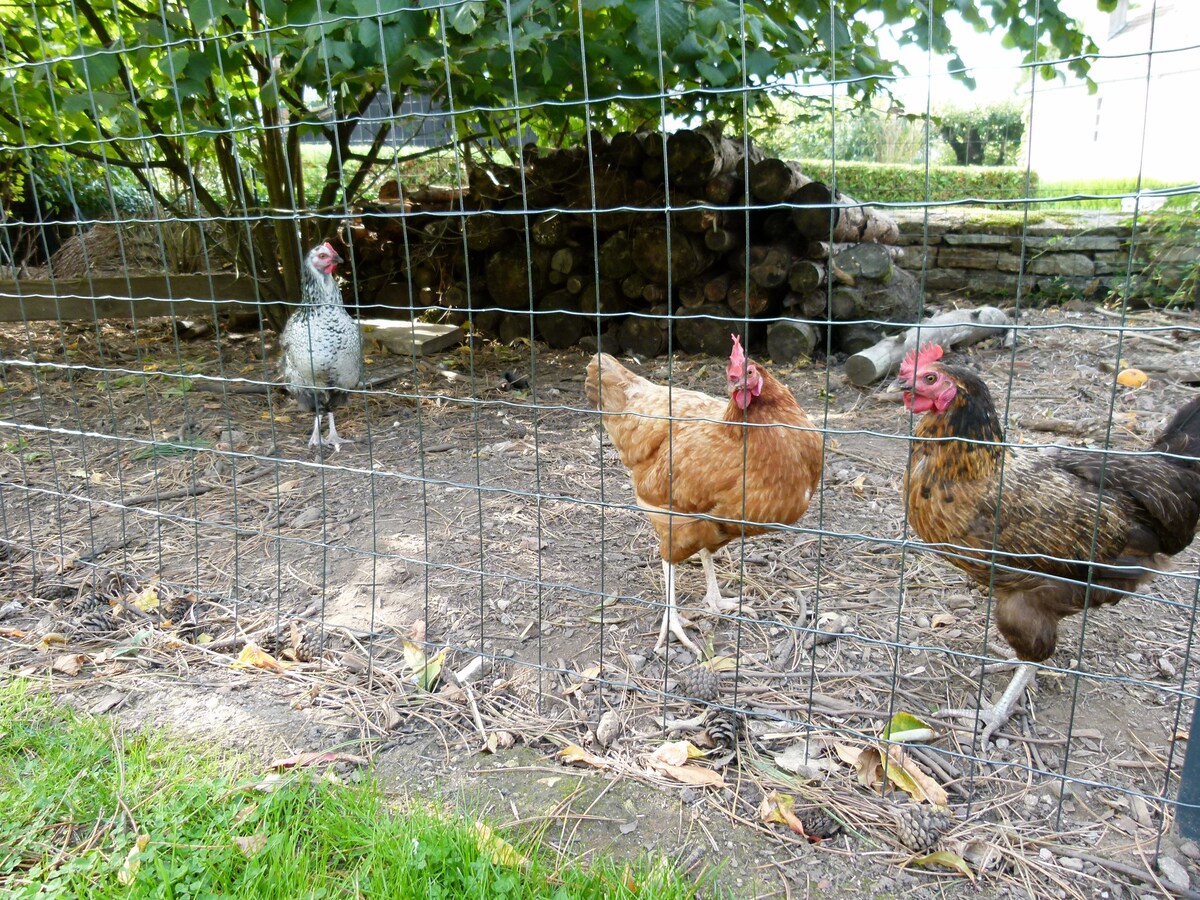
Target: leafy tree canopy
x=214, y=96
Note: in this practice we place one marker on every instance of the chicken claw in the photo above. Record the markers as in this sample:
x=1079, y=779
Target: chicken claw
x=673, y=622
x=717, y=602
x=998, y=715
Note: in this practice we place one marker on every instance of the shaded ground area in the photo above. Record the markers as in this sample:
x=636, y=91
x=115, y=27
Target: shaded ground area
x=495, y=522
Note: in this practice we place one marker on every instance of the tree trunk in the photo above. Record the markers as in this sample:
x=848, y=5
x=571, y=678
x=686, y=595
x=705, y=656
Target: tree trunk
x=696, y=155
x=644, y=336
x=615, y=259
x=508, y=273
x=559, y=323
x=855, y=337
x=897, y=300
x=487, y=231
x=626, y=149
x=550, y=229
x=774, y=180
x=705, y=330
x=790, y=339
x=809, y=306
x=602, y=297
x=950, y=329
x=769, y=265
x=748, y=300
x=688, y=255
x=866, y=260
x=850, y=220
x=805, y=276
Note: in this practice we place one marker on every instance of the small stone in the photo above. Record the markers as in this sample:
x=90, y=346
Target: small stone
x=1190, y=850
x=636, y=661
x=1070, y=862
x=923, y=621
x=1002, y=743
x=1174, y=872
x=1045, y=855
x=689, y=795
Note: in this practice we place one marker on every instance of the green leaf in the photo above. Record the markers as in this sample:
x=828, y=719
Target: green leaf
x=905, y=726
x=667, y=19
x=466, y=17
x=947, y=860
x=99, y=68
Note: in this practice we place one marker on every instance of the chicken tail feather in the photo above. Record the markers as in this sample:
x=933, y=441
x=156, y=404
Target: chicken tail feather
x=1181, y=437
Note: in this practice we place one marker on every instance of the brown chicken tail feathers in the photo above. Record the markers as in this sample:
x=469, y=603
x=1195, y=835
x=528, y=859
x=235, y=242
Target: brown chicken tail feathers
x=1181, y=437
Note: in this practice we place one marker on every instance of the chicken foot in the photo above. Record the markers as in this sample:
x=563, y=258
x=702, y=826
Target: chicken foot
x=332, y=439
x=999, y=714
x=673, y=622
x=718, y=602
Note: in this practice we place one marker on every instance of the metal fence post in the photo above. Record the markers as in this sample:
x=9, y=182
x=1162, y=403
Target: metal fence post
x=1188, y=816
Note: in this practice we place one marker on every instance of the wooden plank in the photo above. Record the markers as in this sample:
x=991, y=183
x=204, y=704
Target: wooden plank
x=115, y=297
x=405, y=338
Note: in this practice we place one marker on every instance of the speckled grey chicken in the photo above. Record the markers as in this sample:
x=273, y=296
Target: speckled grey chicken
x=322, y=346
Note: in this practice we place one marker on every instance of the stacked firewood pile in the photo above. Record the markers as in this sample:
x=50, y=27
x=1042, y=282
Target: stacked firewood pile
x=580, y=238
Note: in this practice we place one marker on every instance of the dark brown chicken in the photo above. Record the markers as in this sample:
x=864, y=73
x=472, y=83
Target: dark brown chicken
x=1035, y=513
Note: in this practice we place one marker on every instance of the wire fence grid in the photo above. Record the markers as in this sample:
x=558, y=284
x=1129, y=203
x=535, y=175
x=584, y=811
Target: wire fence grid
x=475, y=564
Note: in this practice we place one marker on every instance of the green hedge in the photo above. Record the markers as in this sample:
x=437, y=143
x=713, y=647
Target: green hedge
x=885, y=183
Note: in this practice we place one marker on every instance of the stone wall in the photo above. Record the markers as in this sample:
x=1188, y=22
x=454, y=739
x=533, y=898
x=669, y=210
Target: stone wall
x=984, y=255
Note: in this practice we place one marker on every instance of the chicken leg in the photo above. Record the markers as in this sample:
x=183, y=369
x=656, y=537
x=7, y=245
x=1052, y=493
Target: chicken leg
x=314, y=439
x=673, y=622
x=333, y=439
x=999, y=714
x=717, y=602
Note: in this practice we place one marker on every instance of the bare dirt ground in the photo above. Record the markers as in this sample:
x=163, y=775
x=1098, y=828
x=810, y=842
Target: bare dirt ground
x=495, y=522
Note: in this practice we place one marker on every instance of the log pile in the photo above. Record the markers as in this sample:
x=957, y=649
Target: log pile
x=638, y=239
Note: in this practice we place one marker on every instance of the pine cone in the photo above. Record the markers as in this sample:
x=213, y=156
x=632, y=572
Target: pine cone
x=722, y=727
x=180, y=613
x=293, y=642
x=920, y=827
x=94, y=616
x=700, y=683
x=818, y=823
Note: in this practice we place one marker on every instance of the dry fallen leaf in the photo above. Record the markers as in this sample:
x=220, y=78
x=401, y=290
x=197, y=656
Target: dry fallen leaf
x=574, y=754
x=69, y=663
x=676, y=753
x=777, y=809
x=942, y=620
x=13, y=633
x=129, y=868
x=49, y=639
x=254, y=657
x=147, y=599
x=585, y=676
x=314, y=758
x=947, y=859
x=901, y=772
x=250, y=844
x=501, y=851
x=693, y=775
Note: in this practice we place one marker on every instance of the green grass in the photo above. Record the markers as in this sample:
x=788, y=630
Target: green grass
x=78, y=798
x=1109, y=188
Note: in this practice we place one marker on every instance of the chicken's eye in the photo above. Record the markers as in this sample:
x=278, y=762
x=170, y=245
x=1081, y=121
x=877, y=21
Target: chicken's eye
x=930, y=378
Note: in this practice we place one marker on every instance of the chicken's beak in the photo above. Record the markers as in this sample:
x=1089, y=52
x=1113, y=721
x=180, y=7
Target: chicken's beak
x=897, y=385
x=337, y=258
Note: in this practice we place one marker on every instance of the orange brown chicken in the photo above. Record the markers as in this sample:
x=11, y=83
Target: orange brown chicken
x=1051, y=531
x=745, y=463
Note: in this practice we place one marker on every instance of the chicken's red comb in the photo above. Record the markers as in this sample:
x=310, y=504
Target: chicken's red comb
x=915, y=359
x=329, y=246
x=737, y=357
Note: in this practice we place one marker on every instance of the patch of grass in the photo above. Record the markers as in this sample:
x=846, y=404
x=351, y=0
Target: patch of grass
x=92, y=812
x=1106, y=193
